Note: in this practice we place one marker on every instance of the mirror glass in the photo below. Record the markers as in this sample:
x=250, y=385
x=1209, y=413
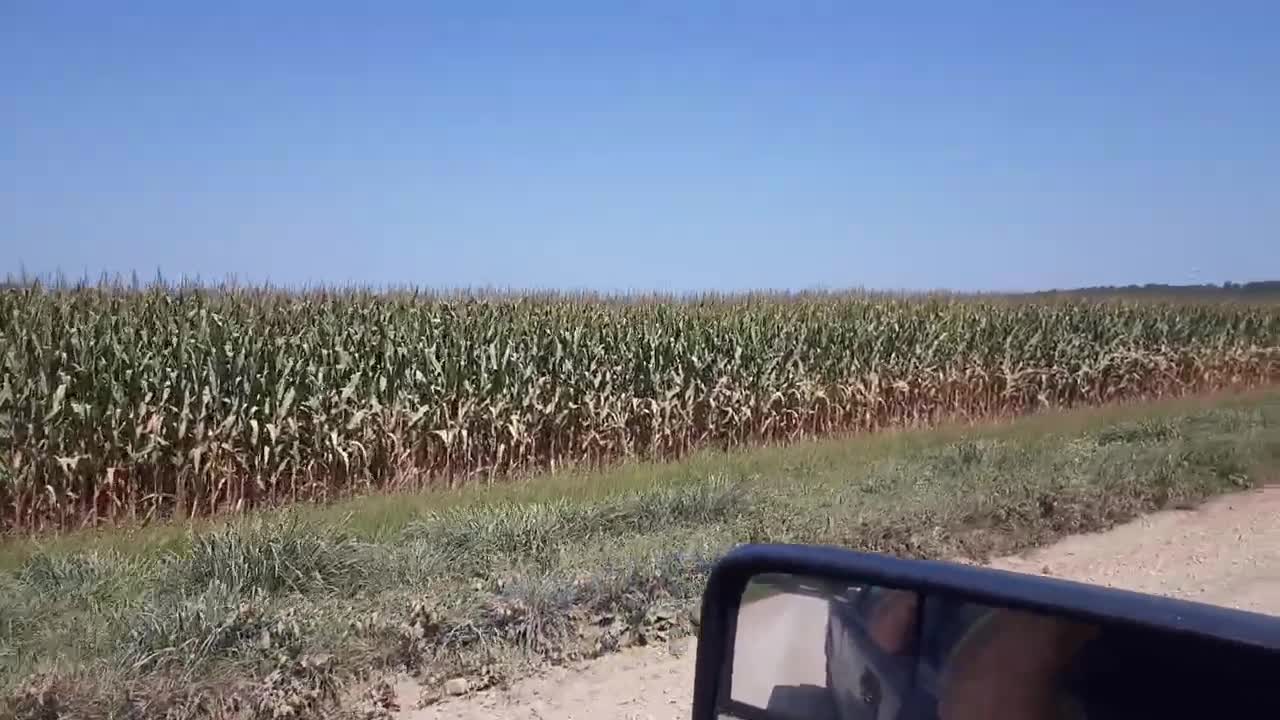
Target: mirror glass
x=806, y=648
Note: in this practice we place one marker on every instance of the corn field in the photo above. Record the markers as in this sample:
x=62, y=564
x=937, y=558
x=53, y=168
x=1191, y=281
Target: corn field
x=119, y=405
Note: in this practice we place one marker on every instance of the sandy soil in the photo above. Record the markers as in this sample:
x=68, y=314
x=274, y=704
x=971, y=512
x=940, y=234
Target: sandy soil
x=1226, y=553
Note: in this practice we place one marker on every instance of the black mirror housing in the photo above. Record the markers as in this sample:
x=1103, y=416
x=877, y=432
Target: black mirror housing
x=1154, y=656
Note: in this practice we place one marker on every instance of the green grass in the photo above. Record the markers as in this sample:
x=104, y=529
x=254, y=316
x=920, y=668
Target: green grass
x=285, y=610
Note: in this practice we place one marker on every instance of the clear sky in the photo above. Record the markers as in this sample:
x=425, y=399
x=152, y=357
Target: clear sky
x=675, y=144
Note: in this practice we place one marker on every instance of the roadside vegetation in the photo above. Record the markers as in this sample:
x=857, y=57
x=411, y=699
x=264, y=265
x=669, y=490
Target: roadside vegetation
x=312, y=610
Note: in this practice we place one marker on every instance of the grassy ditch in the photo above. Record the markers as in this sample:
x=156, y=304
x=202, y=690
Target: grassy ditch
x=303, y=613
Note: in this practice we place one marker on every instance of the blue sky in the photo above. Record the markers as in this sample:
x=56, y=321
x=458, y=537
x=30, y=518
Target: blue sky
x=659, y=145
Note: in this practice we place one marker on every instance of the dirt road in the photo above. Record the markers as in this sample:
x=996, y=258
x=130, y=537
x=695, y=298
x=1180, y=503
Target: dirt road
x=778, y=636
x=1226, y=553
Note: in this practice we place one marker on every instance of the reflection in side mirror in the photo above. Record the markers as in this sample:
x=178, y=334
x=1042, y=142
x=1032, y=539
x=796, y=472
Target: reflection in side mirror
x=778, y=659
x=830, y=645
x=810, y=649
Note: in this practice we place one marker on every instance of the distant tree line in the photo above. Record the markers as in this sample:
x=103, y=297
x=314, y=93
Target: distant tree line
x=1261, y=288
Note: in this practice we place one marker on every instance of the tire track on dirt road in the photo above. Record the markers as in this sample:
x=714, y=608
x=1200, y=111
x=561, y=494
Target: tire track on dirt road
x=1226, y=552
